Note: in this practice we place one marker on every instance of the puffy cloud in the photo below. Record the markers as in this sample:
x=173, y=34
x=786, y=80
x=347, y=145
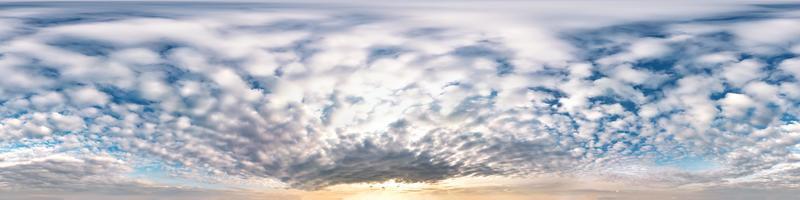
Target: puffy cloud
x=88, y=96
x=738, y=74
x=306, y=99
x=792, y=66
x=762, y=33
x=736, y=105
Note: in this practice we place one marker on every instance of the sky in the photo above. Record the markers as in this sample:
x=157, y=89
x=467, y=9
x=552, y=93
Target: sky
x=594, y=100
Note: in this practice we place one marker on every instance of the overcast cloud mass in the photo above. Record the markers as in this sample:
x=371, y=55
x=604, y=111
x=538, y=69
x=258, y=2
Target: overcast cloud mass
x=171, y=100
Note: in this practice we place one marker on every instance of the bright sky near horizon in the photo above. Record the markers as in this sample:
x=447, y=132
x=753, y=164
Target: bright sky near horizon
x=400, y=100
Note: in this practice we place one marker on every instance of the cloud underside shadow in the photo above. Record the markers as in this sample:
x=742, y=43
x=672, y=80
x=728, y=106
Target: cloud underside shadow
x=287, y=96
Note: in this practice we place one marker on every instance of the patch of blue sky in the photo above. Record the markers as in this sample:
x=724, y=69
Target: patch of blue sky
x=726, y=89
x=87, y=141
x=788, y=118
x=164, y=47
x=114, y=148
x=598, y=43
x=120, y=96
x=28, y=143
x=470, y=105
x=689, y=163
x=11, y=113
x=35, y=67
x=773, y=60
x=84, y=46
x=328, y=110
x=757, y=12
x=627, y=104
x=286, y=25
x=504, y=67
x=473, y=51
x=78, y=15
x=426, y=32
x=795, y=149
x=634, y=145
x=736, y=17
x=380, y=52
x=555, y=92
x=264, y=84
x=169, y=174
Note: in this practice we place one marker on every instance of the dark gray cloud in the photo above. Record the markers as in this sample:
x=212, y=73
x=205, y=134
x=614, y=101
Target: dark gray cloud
x=288, y=96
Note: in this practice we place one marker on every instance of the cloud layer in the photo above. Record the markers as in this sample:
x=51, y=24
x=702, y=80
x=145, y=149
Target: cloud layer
x=282, y=95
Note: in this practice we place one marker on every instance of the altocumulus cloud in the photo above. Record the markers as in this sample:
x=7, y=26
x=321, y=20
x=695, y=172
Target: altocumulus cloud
x=138, y=97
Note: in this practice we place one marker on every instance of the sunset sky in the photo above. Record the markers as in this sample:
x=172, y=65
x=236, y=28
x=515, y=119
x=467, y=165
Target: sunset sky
x=388, y=100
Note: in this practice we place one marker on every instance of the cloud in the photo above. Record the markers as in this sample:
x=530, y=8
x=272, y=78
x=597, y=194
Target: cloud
x=736, y=105
x=303, y=98
x=758, y=33
x=43, y=169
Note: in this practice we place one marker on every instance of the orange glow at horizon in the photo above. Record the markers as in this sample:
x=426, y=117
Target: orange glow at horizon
x=468, y=188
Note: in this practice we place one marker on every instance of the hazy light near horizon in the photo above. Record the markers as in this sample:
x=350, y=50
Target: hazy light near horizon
x=400, y=100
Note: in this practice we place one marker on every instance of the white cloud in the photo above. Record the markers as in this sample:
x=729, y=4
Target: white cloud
x=762, y=91
x=88, y=96
x=67, y=122
x=628, y=74
x=762, y=33
x=792, y=66
x=639, y=49
x=140, y=56
x=315, y=98
x=736, y=105
x=47, y=100
x=718, y=58
x=740, y=73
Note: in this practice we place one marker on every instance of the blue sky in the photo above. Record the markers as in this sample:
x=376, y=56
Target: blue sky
x=574, y=99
